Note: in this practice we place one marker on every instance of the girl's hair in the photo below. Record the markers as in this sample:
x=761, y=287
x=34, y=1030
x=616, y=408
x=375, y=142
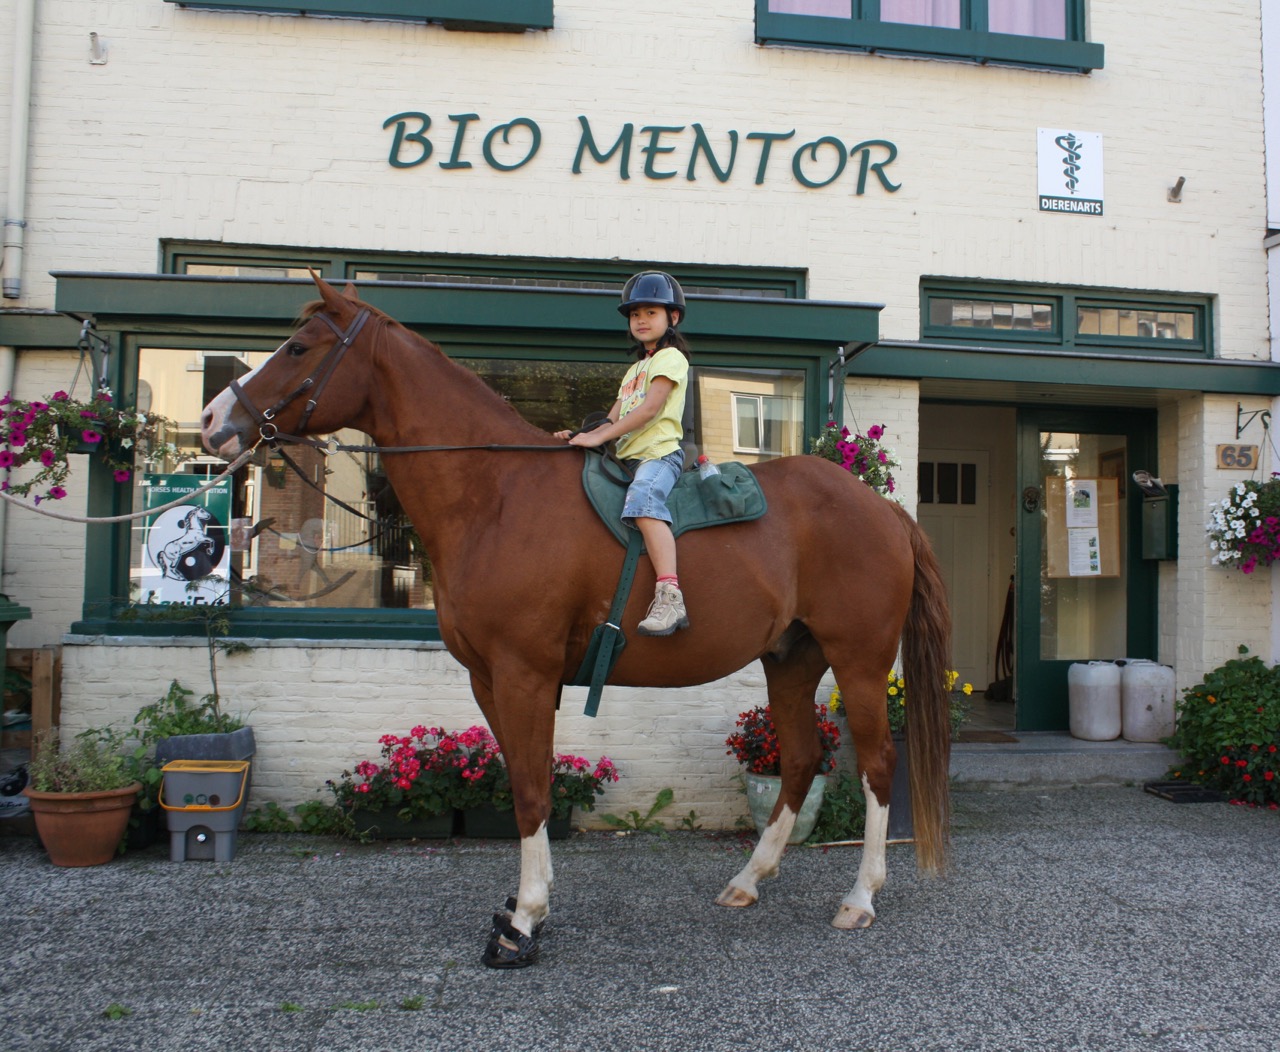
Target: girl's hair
x=671, y=338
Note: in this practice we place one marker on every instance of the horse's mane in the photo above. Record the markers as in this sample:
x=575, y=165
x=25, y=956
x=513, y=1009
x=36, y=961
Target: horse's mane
x=383, y=321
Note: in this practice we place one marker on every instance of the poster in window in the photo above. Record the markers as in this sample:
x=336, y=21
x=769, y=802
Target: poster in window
x=1082, y=527
x=185, y=555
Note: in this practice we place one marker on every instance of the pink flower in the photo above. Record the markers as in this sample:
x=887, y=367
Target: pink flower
x=121, y=474
x=47, y=458
x=17, y=437
x=874, y=432
x=57, y=493
x=60, y=396
x=90, y=437
x=6, y=458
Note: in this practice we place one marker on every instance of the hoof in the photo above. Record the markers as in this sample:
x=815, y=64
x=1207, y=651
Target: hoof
x=509, y=947
x=851, y=918
x=735, y=898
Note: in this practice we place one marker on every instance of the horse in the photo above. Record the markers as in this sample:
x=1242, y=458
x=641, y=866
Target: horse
x=833, y=576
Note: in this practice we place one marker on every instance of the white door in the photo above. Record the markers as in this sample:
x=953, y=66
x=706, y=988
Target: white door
x=953, y=510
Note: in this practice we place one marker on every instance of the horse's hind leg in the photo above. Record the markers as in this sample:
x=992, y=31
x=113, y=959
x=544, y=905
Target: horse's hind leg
x=792, y=675
x=863, y=696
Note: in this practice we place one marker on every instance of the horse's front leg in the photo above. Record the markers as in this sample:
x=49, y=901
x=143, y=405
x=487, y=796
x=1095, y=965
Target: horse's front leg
x=525, y=734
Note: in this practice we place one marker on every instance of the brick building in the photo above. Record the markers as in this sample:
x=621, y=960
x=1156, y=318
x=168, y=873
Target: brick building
x=1024, y=238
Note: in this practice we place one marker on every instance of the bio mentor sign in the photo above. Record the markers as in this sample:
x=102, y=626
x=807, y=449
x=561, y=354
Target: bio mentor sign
x=1069, y=171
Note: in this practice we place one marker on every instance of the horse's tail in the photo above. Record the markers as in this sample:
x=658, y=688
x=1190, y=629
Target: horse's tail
x=926, y=654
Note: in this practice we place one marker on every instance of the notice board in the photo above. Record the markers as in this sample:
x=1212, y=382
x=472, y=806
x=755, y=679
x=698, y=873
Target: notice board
x=1082, y=526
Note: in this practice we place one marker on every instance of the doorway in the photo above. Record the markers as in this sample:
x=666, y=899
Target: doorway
x=1083, y=591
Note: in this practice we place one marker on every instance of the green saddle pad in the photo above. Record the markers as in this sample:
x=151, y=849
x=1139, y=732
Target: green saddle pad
x=734, y=495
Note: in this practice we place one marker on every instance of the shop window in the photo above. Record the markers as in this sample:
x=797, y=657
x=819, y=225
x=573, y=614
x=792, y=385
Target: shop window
x=510, y=15
x=1087, y=319
x=1043, y=33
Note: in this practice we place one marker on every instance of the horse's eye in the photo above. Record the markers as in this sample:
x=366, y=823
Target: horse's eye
x=295, y=350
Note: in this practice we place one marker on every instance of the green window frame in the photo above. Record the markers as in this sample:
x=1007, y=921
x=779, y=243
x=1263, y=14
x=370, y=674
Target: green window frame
x=1107, y=321
x=494, y=15
x=864, y=30
x=766, y=327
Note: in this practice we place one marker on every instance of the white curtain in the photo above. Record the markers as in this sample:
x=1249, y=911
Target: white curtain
x=828, y=8
x=942, y=13
x=1028, y=18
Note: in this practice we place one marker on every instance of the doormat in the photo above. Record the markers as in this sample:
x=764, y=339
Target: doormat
x=1184, y=793
x=998, y=737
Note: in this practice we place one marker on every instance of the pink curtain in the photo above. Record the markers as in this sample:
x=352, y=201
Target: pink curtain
x=1028, y=18
x=942, y=13
x=829, y=8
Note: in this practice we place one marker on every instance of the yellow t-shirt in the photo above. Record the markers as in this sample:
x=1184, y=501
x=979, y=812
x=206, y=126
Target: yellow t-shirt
x=663, y=433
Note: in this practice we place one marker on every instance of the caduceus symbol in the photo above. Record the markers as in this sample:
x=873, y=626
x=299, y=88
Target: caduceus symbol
x=1071, y=145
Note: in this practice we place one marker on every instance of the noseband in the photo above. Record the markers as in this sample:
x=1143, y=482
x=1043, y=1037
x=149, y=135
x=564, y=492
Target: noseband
x=265, y=418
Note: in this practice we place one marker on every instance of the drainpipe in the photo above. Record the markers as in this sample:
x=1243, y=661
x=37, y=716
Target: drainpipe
x=15, y=222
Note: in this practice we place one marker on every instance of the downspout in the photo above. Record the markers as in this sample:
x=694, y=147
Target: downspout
x=15, y=221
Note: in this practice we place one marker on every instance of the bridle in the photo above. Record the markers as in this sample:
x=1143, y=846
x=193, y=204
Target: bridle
x=320, y=376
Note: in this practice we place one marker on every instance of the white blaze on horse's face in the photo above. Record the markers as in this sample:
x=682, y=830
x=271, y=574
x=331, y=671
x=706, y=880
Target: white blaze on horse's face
x=220, y=436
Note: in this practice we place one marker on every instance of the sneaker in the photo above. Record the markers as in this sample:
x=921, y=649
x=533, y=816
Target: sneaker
x=666, y=613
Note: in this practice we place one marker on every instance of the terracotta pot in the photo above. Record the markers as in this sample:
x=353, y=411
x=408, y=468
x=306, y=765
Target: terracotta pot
x=82, y=829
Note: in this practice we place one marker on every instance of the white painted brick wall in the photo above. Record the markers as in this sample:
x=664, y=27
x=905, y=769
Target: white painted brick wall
x=319, y=708
x=208, y=125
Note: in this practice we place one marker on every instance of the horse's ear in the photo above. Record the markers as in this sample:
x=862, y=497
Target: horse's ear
x=350, y=292
x=327, y=292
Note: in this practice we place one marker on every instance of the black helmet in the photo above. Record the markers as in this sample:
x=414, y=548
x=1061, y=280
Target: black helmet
x=651, y=286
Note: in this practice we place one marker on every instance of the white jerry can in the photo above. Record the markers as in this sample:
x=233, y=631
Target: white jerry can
x=1093, y=691
x=1146, y=701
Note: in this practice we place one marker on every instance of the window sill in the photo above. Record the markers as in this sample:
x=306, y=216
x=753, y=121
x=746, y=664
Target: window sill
x=512, y=16
x=960, y=44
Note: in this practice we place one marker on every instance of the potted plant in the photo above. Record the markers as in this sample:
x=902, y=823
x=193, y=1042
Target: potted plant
x=176, y=727
x=81, y=794
x=1227, y=730
x=859, y=454
x=1244, y=527
x=755, y=746
x=45, y=432
x=575, y=782
x=409, y=794
x=901, y=825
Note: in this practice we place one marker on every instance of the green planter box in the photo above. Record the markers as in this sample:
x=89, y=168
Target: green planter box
x=488, y=822
x=386, y=824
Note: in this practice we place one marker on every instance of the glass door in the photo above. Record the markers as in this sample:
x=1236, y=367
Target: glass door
x=1084, y=592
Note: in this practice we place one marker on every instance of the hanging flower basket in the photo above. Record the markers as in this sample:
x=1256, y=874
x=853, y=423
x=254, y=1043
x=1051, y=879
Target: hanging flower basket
x=1244, y=527
x=43, y=434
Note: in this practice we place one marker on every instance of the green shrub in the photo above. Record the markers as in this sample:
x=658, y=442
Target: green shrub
x=90, y=764
x=843, y=815
x=1228, y=731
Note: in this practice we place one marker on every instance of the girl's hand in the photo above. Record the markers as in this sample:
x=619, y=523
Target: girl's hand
x=562, y=434
x=588, y=439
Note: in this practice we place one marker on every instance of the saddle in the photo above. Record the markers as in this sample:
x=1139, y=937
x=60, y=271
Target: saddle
x=734, y=495
x=695, y=503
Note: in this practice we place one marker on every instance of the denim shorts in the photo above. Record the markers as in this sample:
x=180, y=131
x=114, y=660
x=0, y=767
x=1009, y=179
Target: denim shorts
x=654, y=480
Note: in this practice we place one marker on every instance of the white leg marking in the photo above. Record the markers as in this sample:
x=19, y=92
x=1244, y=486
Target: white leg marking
x=767, y=856
x=534, y=896
x=856, y=909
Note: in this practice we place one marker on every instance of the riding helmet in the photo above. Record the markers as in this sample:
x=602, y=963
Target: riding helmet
x=652, y=286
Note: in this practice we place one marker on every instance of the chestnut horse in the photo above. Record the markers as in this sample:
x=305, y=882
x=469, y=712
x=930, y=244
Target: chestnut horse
x=833, y=576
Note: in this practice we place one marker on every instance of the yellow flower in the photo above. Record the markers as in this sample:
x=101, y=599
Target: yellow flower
x=968, y=688
x=833, y=703
x=893, y=692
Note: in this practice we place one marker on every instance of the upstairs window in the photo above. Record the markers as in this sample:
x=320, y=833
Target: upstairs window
x=1044, y=33
x=1085, y=319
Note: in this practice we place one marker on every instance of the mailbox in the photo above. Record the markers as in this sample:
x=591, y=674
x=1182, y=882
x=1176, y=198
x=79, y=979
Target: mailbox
x=1160, y=524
